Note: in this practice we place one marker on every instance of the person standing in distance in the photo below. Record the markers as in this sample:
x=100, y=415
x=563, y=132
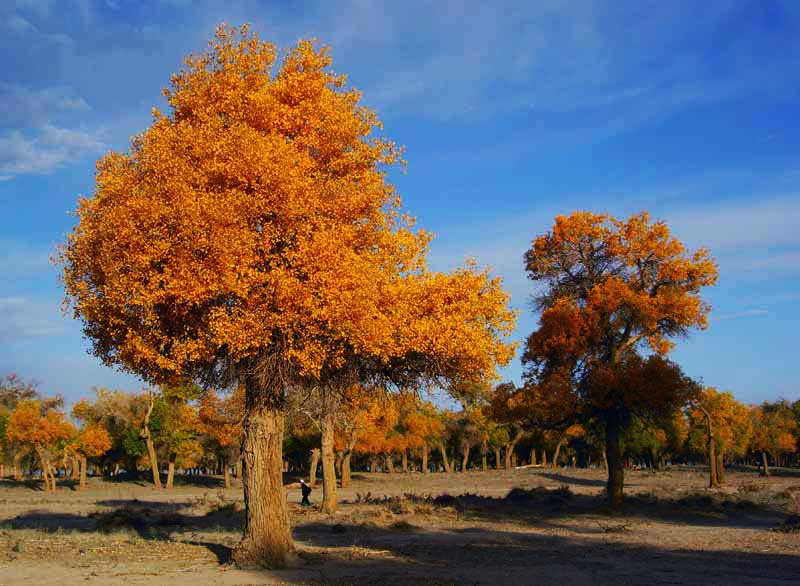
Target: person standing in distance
x=306, y=489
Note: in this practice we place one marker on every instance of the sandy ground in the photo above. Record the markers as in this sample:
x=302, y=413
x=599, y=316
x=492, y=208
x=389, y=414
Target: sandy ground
x=391, y=529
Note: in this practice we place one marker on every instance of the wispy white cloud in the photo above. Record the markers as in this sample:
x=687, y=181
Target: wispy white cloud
x=23, y=318
x=46, y=150
x=740, y=314
x=615, y=67
x=742, y=224
x=19, y=259
x=24, y=106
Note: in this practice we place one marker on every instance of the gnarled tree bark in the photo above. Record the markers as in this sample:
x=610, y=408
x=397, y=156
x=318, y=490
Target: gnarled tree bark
x=267, y=539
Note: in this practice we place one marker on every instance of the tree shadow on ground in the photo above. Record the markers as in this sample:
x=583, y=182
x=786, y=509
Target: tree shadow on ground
x=573, y=480
x=483, y=556
x=353, y=552
x=550, y=507
x=30, y=483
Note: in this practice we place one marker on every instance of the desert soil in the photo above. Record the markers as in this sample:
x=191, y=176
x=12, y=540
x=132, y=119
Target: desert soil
x=391, y=530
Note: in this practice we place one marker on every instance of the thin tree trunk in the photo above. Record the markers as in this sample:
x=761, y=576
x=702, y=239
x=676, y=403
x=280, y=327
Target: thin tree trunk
x=616, y=472
x=151, y=452
x=498, y=463
x=765, y=463
x=44, y=460
x=346, y=469
x=533, y=456
x=720, y=469
x=148, y=438
x=656, y=458
x=425, y=458
x=605, y=459
x=389, y=463
x=557, y=452
x=328, y=465
x=239, y=467
x=713, y=481
x=510, y=449
x=312, y=473
x=338, y=464
x=544, y=457
x=82, y=464
x=464, y=457
x=226, y=473
x=171, y=471
x=267, y=538
x=348, y=452
x=445, y=461
x=404, y=460
x=17, y=468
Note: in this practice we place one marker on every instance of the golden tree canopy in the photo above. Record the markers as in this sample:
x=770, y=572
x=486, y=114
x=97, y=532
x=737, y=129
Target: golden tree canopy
x=256, y=219
x=613, y=284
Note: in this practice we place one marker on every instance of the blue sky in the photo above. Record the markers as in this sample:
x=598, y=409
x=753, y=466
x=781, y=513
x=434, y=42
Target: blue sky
x=511, y=114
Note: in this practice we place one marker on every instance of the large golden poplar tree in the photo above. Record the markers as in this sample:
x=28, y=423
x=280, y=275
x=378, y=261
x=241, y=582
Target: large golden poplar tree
x=249, y=236
x=611, y=290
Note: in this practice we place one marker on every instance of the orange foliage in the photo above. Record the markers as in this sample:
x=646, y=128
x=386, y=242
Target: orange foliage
x=29, y=426
x=221, y=419
x=93, y=441
x=731, y=423
x=613, y=284
x=774, y=429
x=256, y=217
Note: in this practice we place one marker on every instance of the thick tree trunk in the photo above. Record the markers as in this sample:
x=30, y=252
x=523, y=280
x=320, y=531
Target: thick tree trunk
x=328, y=465
x=425, y=458
x=513, y=459
x=544, y=457
x=498, y=463
x=464, y=457
x=445, y=461
x=404, y=460
x=533, y=456
x=389, y=463
x=484, y=462
x=616, y=471
x=267, y=538
x=312, y=472
x=239, y=467
x=605, y=459
x=720, y=469
x=764, y=463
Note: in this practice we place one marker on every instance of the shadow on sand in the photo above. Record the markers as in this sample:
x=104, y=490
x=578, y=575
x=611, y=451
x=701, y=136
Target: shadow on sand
x=402, y=553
